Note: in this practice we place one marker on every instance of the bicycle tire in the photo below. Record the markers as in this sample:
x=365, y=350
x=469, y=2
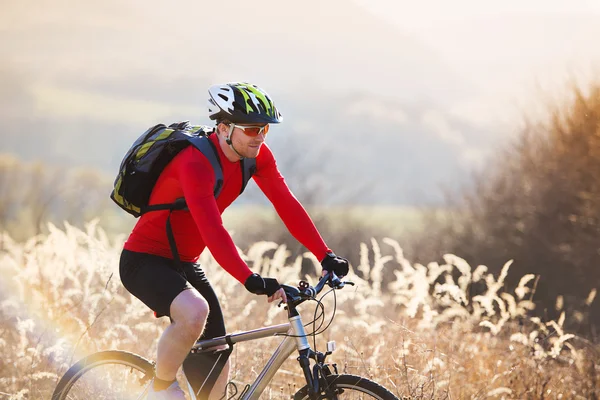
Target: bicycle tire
x=350, y=383
x=64, y=388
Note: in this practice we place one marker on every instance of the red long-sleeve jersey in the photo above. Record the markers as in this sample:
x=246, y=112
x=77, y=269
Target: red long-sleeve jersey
x=190, y=175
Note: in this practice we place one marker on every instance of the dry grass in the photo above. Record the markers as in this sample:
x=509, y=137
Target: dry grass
x=424, y=334
x=537, y=200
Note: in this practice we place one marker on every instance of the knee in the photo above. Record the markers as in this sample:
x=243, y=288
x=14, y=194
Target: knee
x=194, y=319
x=197, y=316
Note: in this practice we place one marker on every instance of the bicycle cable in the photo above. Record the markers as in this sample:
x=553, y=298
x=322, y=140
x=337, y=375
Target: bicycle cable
x=308, y=323
x=333, y=314
x=314, y=321
x=316, y=331
x=232, y=397
x=322, y=315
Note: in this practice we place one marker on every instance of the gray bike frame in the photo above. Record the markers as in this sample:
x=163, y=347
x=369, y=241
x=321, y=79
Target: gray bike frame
x=296, y=341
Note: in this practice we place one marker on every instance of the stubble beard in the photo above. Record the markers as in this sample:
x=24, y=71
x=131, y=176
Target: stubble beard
x=252, y=152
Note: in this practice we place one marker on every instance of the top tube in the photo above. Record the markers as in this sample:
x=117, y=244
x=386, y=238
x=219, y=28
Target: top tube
x=295, y=296
x=242, y=336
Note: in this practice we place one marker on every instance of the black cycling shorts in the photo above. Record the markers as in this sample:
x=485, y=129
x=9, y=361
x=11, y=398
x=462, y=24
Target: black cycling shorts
x=155, y=281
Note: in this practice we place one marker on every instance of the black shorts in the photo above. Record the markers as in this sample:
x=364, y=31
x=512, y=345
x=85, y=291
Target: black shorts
x=155, y=281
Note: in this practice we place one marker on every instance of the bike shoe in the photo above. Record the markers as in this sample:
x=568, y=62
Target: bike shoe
x=173, y=392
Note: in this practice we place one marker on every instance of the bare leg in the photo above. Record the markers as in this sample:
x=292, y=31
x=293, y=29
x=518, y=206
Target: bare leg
x=189, y=311
x=217, y=391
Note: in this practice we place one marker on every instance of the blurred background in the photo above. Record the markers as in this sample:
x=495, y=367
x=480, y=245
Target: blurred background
x=466, y=126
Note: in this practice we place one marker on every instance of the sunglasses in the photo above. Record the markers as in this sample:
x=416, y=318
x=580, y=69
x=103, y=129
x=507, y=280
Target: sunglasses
x=253, y=130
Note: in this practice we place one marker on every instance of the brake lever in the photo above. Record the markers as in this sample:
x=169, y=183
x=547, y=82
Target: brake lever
x=335, y=282
x=340, y=284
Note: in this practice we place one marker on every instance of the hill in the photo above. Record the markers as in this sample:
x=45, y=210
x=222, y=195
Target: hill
x=83, y=80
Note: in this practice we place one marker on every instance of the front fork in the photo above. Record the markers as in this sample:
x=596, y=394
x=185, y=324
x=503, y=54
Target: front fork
x=316, y=378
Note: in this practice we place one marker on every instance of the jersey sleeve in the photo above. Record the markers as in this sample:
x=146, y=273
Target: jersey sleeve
x=290, y=210
x=197, y=181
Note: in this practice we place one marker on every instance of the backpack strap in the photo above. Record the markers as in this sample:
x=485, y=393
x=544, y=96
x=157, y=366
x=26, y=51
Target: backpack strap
x=248, y=169
x=173, y=244
x=178, y=204
x=209, y=150
x=206, y=146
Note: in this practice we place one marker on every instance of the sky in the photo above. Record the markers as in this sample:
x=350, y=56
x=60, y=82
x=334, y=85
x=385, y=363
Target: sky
x=416, y=15
x=461, y=73
x=510, y=49
x=507, y=50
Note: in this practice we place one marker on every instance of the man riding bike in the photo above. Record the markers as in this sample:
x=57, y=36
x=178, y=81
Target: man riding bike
x=242, y=113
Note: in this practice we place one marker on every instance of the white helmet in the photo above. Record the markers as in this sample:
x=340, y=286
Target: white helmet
x=241, y=103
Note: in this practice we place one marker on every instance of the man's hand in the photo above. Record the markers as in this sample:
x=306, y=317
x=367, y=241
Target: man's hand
x=256, y=284
x=339, y=265
x=280, y=294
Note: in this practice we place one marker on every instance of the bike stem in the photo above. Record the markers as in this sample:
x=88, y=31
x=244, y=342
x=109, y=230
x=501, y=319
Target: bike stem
x=294, y=298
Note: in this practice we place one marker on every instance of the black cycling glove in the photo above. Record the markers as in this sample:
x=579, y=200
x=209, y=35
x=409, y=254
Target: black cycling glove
x=258, y=285
x=338, y=265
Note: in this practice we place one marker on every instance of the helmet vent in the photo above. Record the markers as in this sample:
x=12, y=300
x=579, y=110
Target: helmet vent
x=242, y=103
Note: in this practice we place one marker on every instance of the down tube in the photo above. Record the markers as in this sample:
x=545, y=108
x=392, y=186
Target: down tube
x=285, y=349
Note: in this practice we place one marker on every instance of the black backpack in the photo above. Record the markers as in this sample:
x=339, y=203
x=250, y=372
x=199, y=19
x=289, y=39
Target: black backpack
x=147, y=158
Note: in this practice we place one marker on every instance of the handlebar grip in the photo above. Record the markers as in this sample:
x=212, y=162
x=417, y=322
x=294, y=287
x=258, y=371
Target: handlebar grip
x=331, y=279
x=310, y=291
x=334, y=281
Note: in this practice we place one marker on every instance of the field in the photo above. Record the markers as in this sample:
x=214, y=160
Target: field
x=422, y=333
x=375, y=220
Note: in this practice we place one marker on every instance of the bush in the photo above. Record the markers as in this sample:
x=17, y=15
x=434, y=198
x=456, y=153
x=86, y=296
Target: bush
x=34, y=193
x=538, y=203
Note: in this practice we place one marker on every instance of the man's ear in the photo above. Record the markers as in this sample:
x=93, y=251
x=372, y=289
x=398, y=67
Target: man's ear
x=222, y=128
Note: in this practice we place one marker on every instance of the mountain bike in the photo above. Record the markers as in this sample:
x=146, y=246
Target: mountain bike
x=118, y=374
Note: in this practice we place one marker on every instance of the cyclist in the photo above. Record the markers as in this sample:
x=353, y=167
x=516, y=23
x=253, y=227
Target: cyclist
x=242, y=113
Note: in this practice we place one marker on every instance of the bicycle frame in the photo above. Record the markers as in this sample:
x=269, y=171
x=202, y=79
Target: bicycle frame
x=319, y=377
x=296, y=341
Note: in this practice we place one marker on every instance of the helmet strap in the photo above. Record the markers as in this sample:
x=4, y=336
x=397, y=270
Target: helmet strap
x=230, y=143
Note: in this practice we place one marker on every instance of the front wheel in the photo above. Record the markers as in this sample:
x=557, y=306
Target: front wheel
x=348, y=387
x=107, y=375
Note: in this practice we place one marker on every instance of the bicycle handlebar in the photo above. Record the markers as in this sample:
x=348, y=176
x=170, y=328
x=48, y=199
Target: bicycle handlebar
x=304, y=291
